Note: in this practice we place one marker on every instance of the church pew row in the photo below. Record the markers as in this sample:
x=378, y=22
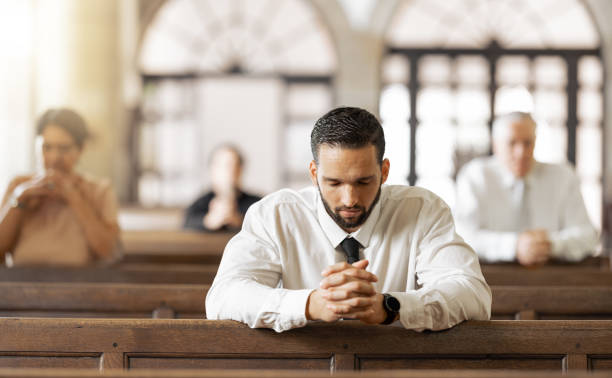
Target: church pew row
x=114, y=300
x=42, y=299
x=205, y=273
x=178, y=247
x=124, y=273
x=243, y=373
x=174, y=247
x=545, y=276
x=574, y=346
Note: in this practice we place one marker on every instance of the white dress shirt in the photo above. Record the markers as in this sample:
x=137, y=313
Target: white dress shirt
x=489, y=217
x=287, y=239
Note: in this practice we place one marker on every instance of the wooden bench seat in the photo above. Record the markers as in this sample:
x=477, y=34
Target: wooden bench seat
x=55, y=299
x=114, y=300
x=124, y=273
x=206, y=344
x=545, y=276
x=552, y=302
x=242, y=373
x=173, y=247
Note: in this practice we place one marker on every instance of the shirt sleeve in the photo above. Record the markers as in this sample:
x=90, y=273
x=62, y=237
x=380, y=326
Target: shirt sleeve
x=577, y=237
x=246, y=287
x=492, y=246
x=451, y=287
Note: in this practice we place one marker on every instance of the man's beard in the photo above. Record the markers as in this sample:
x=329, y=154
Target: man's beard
x=335, y=215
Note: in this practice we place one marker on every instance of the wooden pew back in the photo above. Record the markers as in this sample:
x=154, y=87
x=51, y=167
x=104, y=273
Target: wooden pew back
x=124, y=273
x=187, y=301
x=205, y=344
x=109, y=300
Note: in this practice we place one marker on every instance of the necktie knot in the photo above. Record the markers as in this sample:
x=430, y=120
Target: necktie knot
x=350, y=246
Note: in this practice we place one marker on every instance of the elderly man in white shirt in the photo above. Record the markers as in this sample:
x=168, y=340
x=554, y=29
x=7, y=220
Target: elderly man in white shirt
x=511, y=207
x=349, y=247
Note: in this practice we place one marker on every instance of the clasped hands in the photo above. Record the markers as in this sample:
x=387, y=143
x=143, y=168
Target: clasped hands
x=52, y=185
x=346, y=291
x=533, y=247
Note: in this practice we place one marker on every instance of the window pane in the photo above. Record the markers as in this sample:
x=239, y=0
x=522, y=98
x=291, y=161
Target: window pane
x=472, y=70
x=550, y=72
x=472, y=105
x=511, y=99
x=473, y=138
x=590, y=72
x=435, y=103
x=513, y=70
x=308, y=100
x=442, y=186
x=590, y=105
x=551, y=142
x=551, y=105
x=395, y=103
x=588, y=151
x=271, y=36
x=298, y=147
x=395, y=69
x=149, y=190
x=436, y=145
x=397, y=150
x=434, y=69
x=512, y=23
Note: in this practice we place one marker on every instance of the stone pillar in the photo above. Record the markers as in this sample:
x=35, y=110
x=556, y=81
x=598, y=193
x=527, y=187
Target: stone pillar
x=77, y=59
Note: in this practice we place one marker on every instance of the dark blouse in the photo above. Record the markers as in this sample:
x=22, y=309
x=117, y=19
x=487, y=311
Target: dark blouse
x=196, y=212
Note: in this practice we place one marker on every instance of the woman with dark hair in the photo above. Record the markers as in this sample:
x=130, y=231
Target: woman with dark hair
x=59, y=216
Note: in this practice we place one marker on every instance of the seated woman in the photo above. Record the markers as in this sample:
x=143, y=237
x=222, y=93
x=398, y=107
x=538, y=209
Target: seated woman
x=58, y=216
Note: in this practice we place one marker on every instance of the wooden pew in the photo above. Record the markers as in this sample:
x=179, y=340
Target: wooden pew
x=124, y=273
x=173, y=247
x=241, y=373
x=110, y=300
x=578, y=346
x=551, y=302
x=187, y=301
x=549, y=276
x=591, y=263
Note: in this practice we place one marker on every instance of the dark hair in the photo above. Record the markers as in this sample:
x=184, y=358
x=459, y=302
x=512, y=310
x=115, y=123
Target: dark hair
x=350, y=128
x=226, y=146
x=67, y=119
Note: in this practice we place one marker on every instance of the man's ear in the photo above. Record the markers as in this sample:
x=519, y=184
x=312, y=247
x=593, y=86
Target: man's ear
x=385, y=170
x=312, y=168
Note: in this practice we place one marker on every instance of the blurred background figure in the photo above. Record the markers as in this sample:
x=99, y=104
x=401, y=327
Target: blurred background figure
x=57, y=216
x=224, y=206
x=512, y=207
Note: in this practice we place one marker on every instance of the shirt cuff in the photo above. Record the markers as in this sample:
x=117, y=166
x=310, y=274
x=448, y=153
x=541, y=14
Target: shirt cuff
x=508, y=251
x=556, y=245
x=412, y=311
x=292, y=309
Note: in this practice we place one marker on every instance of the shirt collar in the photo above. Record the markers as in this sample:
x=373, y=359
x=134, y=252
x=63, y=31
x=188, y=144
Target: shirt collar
x=336, y=234
x=509, y=180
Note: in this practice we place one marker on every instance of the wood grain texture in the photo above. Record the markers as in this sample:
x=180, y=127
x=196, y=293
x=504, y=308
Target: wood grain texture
x=560, y=301
x=173, y=246
x=123, y=273
x=158, y=344
x=72, y=373
x=100, y=299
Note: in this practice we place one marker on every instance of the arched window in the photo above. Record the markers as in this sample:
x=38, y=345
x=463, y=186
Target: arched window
x=234, y=71
x=451, y=67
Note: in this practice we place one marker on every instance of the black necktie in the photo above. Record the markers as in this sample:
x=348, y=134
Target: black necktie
x=351, y=248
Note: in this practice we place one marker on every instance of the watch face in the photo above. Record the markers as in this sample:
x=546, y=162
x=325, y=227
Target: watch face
x=392, y=303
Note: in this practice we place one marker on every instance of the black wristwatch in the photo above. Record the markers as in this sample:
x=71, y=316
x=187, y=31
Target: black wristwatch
x=391, y=306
